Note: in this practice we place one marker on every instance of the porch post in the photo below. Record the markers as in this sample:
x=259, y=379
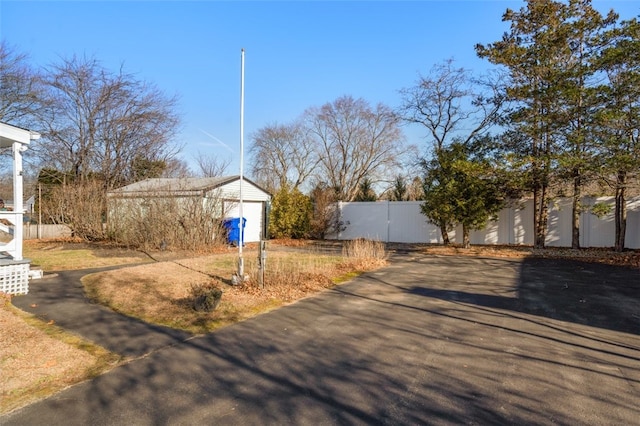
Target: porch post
x=18, y=209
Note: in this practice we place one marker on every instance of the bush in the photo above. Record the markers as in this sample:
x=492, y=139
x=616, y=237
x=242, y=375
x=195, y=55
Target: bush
x=362, y=248
x=156, y=222
x=79, y=205
x=290, y=215
x=205, y=297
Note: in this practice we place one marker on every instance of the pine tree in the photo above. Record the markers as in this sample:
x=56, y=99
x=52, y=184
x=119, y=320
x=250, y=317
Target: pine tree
x=461, y=189
x=534, y=53
x=619, y=120
x=365, y=191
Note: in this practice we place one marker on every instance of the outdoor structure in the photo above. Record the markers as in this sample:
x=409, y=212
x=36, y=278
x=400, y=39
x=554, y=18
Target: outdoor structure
x=222, y=194
x=14, y=270
x=403, y=222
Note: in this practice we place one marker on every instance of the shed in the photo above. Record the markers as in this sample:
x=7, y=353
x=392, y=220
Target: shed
x=225, y=191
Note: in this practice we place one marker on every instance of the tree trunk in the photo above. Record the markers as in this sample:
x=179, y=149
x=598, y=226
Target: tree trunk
x=544, y=218
x=620, y=211
x=576, y=209
x=539, y=217
x=445, y=234
x=465, y=237
x=540, y=207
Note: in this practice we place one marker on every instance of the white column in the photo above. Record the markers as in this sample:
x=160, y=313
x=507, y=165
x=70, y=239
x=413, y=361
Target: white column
x=18, y=208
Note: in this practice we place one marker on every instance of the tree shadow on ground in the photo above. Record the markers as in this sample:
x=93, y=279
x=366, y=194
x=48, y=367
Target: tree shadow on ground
x=590, y=294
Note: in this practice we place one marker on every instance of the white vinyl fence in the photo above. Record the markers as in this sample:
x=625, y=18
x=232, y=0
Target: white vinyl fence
x=402, y=222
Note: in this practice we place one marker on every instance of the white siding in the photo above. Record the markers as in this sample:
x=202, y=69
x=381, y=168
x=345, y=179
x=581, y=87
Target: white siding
x=250, y=192
x=253, y=203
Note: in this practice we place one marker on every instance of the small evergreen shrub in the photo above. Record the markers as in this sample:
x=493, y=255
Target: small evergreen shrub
x=205, y=297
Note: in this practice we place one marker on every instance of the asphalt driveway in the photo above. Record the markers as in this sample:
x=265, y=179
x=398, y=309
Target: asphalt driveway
x=427, y=340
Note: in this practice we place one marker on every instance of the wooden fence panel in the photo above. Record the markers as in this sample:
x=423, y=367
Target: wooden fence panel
x=31, y=231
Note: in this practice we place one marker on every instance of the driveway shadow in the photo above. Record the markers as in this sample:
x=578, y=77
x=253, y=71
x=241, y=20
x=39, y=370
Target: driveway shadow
x=61, y=298
x=427, y=340
x=590, y=294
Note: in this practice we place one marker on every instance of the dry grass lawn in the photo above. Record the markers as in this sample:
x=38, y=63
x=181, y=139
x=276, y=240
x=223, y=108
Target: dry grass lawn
x=59, y=255
x=162, y=293
x=38, y=359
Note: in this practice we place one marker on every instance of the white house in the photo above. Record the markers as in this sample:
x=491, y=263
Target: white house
x=221, y=190
x=14, y=270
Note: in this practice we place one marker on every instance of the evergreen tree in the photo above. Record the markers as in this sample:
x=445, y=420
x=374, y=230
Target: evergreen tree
x=619, y=120
x=290, y=215
x=144, y=168
x=579, y=100
x=535, y=54
x=451, y=105
x=399, y=190
x=365, y=191
x=462, y=189
x=439, y=188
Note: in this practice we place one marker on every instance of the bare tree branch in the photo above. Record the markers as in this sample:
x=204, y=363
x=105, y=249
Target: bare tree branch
x=356, y=142
x=283, y=155
x=20, y=87
x=211, y=166
x=98, y=123
x=450, y=104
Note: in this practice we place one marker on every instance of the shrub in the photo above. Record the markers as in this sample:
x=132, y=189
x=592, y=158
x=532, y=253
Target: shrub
x=205, y=297
x=362, y=248
x=290, y=214
x=153, y=221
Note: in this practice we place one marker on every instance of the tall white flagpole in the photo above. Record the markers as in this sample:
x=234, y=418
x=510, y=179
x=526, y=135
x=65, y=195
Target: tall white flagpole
x=241, y=221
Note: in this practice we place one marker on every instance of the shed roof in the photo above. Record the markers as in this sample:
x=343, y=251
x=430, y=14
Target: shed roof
x=182, y=186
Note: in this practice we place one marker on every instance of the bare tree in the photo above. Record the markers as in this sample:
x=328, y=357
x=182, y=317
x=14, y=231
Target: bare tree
x=96, y=123
x=449, y=104
x=415, y=190
x=20, y=88
x=211, y=166
x=283, y=155
x=176, y=168
x=20, y=93
x=355, y=142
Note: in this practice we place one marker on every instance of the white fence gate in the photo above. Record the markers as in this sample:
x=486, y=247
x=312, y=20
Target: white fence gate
x=402, y=222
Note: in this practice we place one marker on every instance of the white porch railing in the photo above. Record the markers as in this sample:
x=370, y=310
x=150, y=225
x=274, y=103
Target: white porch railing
x=8, y=220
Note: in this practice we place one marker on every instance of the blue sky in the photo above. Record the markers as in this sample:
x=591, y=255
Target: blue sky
x=298, y=54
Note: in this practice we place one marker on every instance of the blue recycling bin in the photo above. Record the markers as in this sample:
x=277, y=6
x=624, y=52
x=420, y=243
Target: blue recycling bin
x=233, y=229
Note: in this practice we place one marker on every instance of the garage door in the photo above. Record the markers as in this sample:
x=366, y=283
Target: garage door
x=252, y=211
